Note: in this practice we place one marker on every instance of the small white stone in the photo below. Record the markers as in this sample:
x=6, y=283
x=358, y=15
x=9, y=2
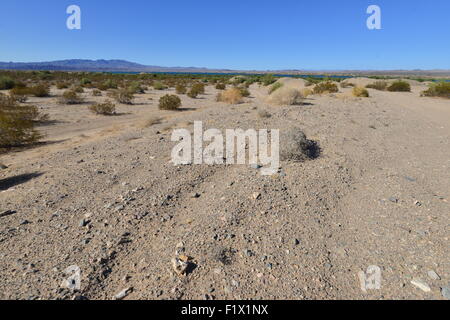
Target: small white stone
x=421, y=285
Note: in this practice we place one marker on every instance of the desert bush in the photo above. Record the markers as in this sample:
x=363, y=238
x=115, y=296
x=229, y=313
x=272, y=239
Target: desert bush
x=71, y=97
x=159, y=86
x=78, y=89
x=40, y=91
x=85, y=81
x=286, y=96
x=399, y=86
x=107, y=108
x=21, y=98
x=325, y=87
x=6, y=83
x=169, y=102
x=275, y=86
x=296, y=147
x=135, y=87
x=107, y=84
x=221, y=86
x=378, y=85
x=17, y=123
x=122, y=96
x=96, y=93
x=192, y=94
x=181, y=89
x=268, y=79
x=232, y=96
x=264, y=114
x=244, y=91
x=346, y=85
x=360, y=92
x=440, y=89
x=62, y=85
x=199, y=88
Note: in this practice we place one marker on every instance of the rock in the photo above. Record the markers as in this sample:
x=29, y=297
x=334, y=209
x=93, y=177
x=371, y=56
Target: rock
x=418, y=203
x=196, y=195
x=296, y=242
x=256, y=195
x=122, y=294
x=83, y=223
x=421, y=285
x=445, y=291
x=181, y=264
x=7, y=213
x=433, y=275
x=393, y=199
x=255, y=166
x=2, y=166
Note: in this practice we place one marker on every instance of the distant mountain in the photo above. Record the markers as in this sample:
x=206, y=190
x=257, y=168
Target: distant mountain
x=97, y=66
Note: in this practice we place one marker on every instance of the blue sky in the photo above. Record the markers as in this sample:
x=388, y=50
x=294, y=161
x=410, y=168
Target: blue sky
x=235, y=34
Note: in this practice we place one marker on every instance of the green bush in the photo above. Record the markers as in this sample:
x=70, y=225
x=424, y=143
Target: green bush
x=6, y=83
x=268, y=79
x=400, y=86
x=71, y=97
x=17, y=123
x=440, y=89
x=325, y=87
x=85, y=81
x=378, y=85
x=169, y=102
x=107, y=108
x=192, y=94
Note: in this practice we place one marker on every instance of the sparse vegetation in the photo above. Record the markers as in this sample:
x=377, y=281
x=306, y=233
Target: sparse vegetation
x=268, y=79
x=346, y=84
x=360, y=92
x=378, y=85
x=199, y=88
x=123, y=96
x=71, y=97
x=221, y=86
x=244, y=91
x=440, y=89
x=150, y=122
x=17, y=123
x=169, y=102
x=96, y=93
x=325, y=87
x=399, y=86
x=6, y=83
x=232, y=96
x=107, y=108
x=180, y=89
x=159, y=86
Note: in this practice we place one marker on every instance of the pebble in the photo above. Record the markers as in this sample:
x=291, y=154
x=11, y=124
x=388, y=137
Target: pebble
x=393, y=199
x=421, y=285
x=256, y=195
x=433, y=275
x=122, y=294
x=445, y=291
x=255, y=166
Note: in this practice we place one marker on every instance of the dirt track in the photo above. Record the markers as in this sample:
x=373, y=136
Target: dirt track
x=377, y=195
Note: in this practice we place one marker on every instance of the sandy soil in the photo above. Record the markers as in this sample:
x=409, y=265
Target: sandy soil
x=102, y=194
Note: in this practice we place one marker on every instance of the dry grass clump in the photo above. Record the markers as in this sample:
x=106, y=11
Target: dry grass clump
x=441, y=89
x=286, y=96
x=296, y=147
x=360, y=92
x=399, y=86
x=122, y=96
x=231, y=96
x=378, y=85
x=71, y=97
x=17, y=123
x=107, y=108
x=169, y=102
x=325, y=87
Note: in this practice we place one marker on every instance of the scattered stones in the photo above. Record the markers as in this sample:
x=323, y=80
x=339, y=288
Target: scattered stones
x=433, y=275
x=123, y=294
x=421, y=285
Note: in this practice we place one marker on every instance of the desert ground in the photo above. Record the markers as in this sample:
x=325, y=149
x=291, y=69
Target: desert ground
x=103, y=195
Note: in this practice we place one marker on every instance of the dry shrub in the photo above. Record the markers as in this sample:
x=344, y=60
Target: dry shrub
x=360, y=92
x=17, y=123
x=325, y=87
x=232, y=96
x=441, y=89
x=107, y=108
x=399, y=86
x=96, y=93
x=62, y=85
x=71, y=97
x=296, y=147
x=180, y=89
x=244, y=91
x=198, y=88
x=159, y=86
x=169, y=102
x=286, y=96
x=221, y=86
x=122, y=96
x=21, y=98
x=378, y=85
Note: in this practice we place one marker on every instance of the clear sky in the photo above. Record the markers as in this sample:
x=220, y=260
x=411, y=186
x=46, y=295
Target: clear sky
x=234, y=34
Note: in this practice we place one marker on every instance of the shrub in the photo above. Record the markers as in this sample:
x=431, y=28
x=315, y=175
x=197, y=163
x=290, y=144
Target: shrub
x=169, y=102
x=78, y=89
x=264, y=114
x=346, y=85
x=325, y=87
x=62, y=85
x=192, y=94
x=71, y=97
x=122, y=96
x=96, y=93
x=181, y=89
x=17, y=123
x=6, y=83
x=221, y=86
x=159, y=86
x=232, y=96
x=135, y=87
x=108, y=84
x=441, y=89
x=360, y=92
x=21, y=98
x=199, y=88
x=107, y=108
x=286, y=96
x=244, y=92
x=400, y=86
x=275, y=86
x=296, y=147
x=378, y=85
x=85, y=81
x=268, y=79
